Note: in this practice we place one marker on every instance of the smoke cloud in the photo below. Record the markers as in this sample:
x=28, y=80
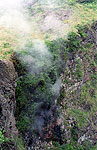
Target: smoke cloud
x=30, y=45
x=31, y=20
x=15, y=16
x=56, y=87
x=36, y=56
x=11, y=15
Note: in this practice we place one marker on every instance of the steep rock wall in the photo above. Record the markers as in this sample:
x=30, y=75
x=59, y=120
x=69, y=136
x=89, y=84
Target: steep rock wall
x=7, y=98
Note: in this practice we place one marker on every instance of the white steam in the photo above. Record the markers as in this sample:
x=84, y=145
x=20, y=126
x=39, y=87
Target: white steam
x=37, y=57
x=12, y=15
x=15, y=16
x=56, y=87
x=30, y=47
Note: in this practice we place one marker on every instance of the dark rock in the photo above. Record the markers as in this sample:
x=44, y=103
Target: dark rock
x=7, y=98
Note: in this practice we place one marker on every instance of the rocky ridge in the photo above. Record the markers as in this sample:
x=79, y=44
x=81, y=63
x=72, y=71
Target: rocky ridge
x=7, y=99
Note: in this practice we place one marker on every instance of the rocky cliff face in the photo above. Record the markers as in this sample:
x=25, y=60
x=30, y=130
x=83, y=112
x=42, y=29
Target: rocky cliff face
x=78, y=101
x=7, y=98
x=76, y=107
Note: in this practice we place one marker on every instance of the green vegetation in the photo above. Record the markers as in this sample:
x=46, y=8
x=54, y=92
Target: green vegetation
x=79, y=71
x=8, y=143
x=89, y=94
x=80, y=104
x=67, y=147
x=96, y=58
x=20, y=145
x=16, y=143
x=6, y=50
x=34, y=89
x=38, y=88
x=81, y=117
x=85, y=1
x=73, y=42
x=30, y=92
x=72, y=2
x=2, y=137
x=71, y=146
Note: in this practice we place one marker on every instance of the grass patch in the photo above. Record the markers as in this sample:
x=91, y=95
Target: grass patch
x=81, y=117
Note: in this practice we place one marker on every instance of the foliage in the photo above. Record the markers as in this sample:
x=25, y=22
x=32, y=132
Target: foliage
x=70, y=146
x=73, y=42
x=80, y=116
x=79, y=71
x=23, y=123
x=88, y=91
x=33, y=89
x=85, y=1
x=6, y=45
x=30, y=90
x=2, y=137
x=72, y=2
x=82, y=30
x=20, y=145
x=96, y=58
x=11, y=144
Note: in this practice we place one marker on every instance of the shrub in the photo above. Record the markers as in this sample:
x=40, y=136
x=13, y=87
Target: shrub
x=73, y=42
x=2, y=137
x=85, y=1
x=70, y=146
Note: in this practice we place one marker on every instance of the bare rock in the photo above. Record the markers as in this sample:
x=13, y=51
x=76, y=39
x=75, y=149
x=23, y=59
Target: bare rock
x=7, y=98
